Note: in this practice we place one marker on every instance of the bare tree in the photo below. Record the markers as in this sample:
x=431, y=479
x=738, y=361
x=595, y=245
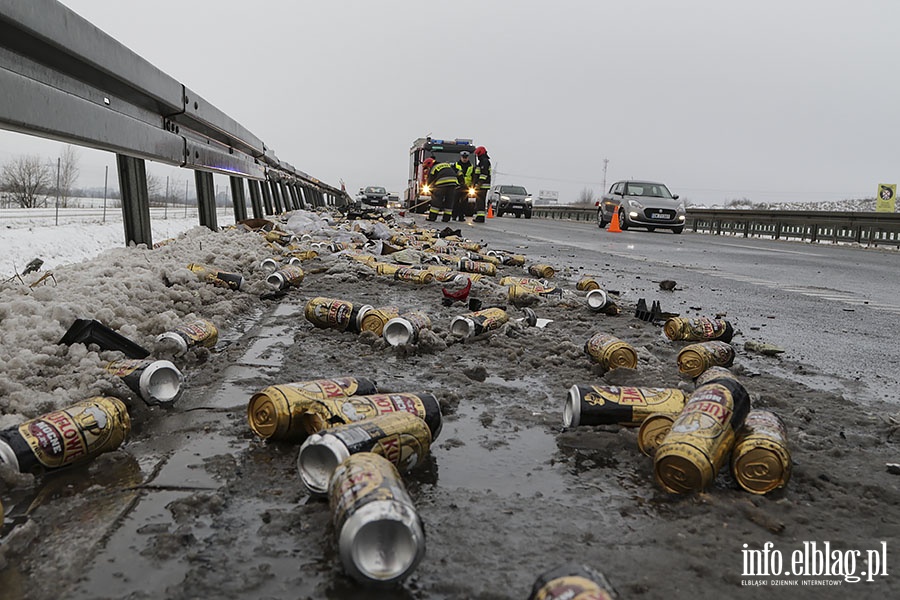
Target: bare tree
x=586, y=196
x=68, y=174
x=26, y=178
x=154, y=187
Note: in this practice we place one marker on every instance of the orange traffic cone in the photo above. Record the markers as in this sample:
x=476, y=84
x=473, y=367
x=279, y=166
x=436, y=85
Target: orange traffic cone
x=614, y=224
x=490, y=214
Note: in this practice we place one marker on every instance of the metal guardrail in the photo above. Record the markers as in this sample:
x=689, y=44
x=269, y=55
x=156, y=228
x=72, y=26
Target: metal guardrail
x=63, y=78
x=864, y=228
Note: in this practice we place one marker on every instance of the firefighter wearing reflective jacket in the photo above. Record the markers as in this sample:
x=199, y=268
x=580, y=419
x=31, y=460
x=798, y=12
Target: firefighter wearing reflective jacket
x=464, y=171
x=481, y=178
x=442, y=179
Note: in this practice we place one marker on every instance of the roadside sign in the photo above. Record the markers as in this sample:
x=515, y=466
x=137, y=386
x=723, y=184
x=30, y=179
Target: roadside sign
x=885, y=201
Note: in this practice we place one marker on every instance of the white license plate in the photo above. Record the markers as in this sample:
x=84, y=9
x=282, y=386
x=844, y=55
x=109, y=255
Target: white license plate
x=659, y=216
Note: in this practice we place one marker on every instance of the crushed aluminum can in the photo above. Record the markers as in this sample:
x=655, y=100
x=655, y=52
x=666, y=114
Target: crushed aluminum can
x=286, y=277
x=377, y=318
x=761, y=459
x=698, y=330
x=696, y=358
x=478, y=322
x=586, y=284
x=615, y=405
x=414, y=275
x=276, y=412
x=232, y=281
x=572, y=582
x=325, y=413
x=698, y=444
x=198, y=333
x=654, y=430
x=473, y=266
x=405, y=328
x=65, y=437
x=329, y=313
x=542, y=270
x=400, y=437
x=597, y=300
x=611, y=352
x=155, y=381
x=380, y=537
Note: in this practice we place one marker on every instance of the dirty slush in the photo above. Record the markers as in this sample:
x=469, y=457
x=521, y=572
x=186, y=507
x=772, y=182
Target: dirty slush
x=194, y=504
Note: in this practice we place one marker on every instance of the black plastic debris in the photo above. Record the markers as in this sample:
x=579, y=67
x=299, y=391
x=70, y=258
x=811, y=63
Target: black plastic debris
x=667, y=285
x=34, y=265
x=653, y=314
x=89, y=331
x=447, y=232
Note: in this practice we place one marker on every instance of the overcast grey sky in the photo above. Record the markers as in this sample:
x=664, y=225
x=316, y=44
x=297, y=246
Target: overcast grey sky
x=768, y=100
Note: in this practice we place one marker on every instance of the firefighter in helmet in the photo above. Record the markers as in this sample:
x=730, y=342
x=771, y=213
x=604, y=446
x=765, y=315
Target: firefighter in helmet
x=481, y=179
x=464, y=170
x=443, y=181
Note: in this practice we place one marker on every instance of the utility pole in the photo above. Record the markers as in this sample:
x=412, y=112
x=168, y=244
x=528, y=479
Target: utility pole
x=605, y=163
x=58, y=162
x=105, y=186
x=166, y=201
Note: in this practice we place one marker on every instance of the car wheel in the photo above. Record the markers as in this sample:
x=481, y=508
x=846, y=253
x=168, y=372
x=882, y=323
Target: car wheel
x=600, y=222
x=651, y=229
x=678, y=229
x=499, y=212
x=518, y=214
x=623, y=224
x=527, y=214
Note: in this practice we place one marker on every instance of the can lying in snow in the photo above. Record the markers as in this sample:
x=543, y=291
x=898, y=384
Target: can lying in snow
x=714, y=373
x=66, y=437
x=654, y=430
x=610, y=405
x=761, y=460
x=473, y=266
x=527, y=281
x=302, y=255
x=156, y=381
x=541, y=270
x=198, y=333
x=478, y=322
x=328, y=313
x=383, y=268
x=451, y=276
x=699, y=329
x=519, y=292
x=414, y=275
x=597, y=300
x=698, y=444
x=586, y=284
x=400, y=437
x=380, y=536
x=572, y=582
x=231, y=281
x=696, y=358
x=276, y=412
x=377, y=318
x=405, y=328
x=611, y=352
x=331, y=412
x=285, y=277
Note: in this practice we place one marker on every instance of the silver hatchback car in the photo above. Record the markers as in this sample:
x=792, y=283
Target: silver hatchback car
x=642, y=204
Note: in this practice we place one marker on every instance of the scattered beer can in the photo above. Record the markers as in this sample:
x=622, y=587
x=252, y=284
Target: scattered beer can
x=572, y=582
x=597, y=299
x=377, y=318
x=451, y=276
x=516, y=294
x=329, y=313
x=156, y=381
x=586, y=284
x=654, y=430
x=380, y=537
x=65, y=437
x=542, y=270
x=303, y=255
x=405, y=328
x=414, y=275
x=611, y=352
x=512, y=260
x=198, y=333
x=478, y=322
x=527, y=281
x=232, y=281
x=483, y=258
x=400, y=437
x=610, y=405
x=714, y=373
x=276, y=412
x=330, y=412
x=383, y=268
x=696, y=358
x=470, y=246
x=269, y=265
x=698, y=444
x=279, y=237
x=473, y=266
x=286, y=277
x=761, y=459
x=698, y=330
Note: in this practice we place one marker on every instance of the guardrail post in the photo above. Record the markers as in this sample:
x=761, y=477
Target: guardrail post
x=267, y=197
x=276, y=196
x=256, y=199
x=206, y=199
x=238, y=198
x=135, y=200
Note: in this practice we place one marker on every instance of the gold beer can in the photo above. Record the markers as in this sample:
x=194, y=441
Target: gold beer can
x=622, y=405
x=483, y=258
x=696, y=358
x=453, y=276
x=516, y=292
x=329, y=412
x=414, y=275
x=405, y=328
x=473, y=266
x=232, y=281
x=542, y=270
x=470, y=246
x=304, y=254
x=199, y=333
x=513, y=260
x=611, y=352
x=286, y=277
x=714, y=373
x=276, y=412
x=572, y=582
x=385, y=268
x=509, y=280
x=65, y=437
x=698, y=330
x=377, y=318
x=654, y=430
x=698, y=444
x=329, y=313
x=478, y=322
x=586, y=284
x=761, y=459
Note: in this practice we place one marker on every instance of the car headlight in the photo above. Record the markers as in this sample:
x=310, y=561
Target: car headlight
x=504, y=198
x=635, y=204
x=680, y=209
x=528, y=200
x=426, y=189
x=472, y=192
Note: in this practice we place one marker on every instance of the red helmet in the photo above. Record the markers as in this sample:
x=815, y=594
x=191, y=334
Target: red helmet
x=480, y=150
x=428, y=162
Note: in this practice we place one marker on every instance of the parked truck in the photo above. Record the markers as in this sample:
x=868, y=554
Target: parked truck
x=417, y=196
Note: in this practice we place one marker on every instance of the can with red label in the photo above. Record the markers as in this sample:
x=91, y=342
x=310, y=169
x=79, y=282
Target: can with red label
x=286, y=277
x=66, y=437
x=699, y=329
x=197, y=333
x=232, y=281
x=572, y=582
x=478, y=322
x=329, y=313
x=380, y=537
x=696, y=358
x=330, y=412
x=450, y=276
x=400, y=437
x=610, y=405
x=698, y=444
x=542, y=270
x=405, y=328
x=761, y=459
x=156, y=381
x=277, y=412
x=377, y=318
x=611, y=352
x=473, y=266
